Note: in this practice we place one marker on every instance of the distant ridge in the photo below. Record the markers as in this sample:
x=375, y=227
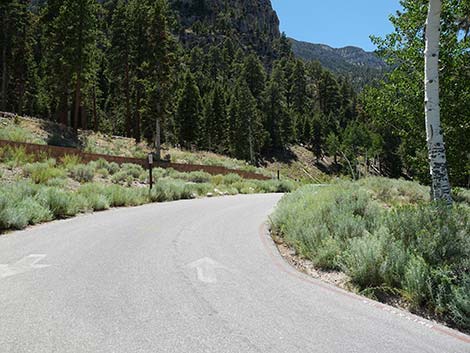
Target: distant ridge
x=361, y=66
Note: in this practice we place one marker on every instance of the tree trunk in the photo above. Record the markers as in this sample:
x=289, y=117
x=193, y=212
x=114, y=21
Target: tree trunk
x=83, y=118
x=77, y=102
x=95, y=114
x=128, y=101
x=158, y=141
x=250, y=143
x=138, y=118
x=435, y=140
x=62, y=115
x=4, y=77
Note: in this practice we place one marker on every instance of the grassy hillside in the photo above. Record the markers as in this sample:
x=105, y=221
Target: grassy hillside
x=298, y=163
x=391, y=242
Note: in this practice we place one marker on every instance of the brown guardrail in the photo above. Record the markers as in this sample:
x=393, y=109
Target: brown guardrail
x=58, y=152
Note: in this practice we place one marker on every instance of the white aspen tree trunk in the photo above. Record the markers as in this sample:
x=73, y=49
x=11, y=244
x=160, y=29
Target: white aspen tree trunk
x=437, y=154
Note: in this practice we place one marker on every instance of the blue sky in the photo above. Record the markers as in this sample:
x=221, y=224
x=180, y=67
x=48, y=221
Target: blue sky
x=337, y=23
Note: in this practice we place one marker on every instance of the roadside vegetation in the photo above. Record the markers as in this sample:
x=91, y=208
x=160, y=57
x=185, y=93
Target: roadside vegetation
x=38, y=131
x=39, y=190
x=299, y=164
x=392, y=242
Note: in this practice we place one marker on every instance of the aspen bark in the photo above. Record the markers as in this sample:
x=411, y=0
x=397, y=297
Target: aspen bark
x=434, y=135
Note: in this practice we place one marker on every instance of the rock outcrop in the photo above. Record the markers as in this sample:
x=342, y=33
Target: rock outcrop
x=252, y=23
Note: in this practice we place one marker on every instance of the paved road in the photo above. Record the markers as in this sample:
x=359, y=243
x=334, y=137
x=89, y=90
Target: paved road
x=188, y=276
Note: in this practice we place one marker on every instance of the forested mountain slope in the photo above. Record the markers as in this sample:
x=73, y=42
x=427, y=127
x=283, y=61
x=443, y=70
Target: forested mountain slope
x=217, y=75
x=360, y=66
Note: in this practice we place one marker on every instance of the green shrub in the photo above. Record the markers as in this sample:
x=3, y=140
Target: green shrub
x=362, y=261
x=57, y=182
x=82, y=173
x=103, y=172
x=13, y=218
x=170, y=190
x=217, y=179
x=133, y=170
x=15, y=156
x=19, y=134
x=102, y=164
x=197, y=189
x=199, y=177
x=461, y=195
x=459, y=305
x=95, y=196
x=244, y=187
x=70, y=160
x=327, y=255
x=395, y=192
x=230, y=179
x=268, y=186
x=434, y=231
x=112, y=168
x=98, y=202
x=18, y=206
x=285, y=186
x=122, y=177
x=415, y=282
x=34, y=211
x=61, y=203
x=41, y=173
x=418, y=249
x=120, y=196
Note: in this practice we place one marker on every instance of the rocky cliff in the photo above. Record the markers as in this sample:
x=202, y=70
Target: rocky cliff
x=252, y=23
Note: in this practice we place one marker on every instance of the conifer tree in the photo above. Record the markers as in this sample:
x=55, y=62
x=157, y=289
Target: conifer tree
x=255, y=76
x=317, y=135
x=121, y=69
x=157, y=69
x=18, y=78
x=71, y=34
x=298, y=89
x=275, y=110
x=189, y=112
x=247, y=135
x=215, y=121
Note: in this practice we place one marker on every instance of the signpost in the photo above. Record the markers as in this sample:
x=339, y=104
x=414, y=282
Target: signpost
x=150, y=161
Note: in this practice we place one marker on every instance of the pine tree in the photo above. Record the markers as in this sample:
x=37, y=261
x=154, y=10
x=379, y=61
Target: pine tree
x=189, y=112
x=18, y=76
x=215, y=121
x=247, y=134
x=333, y=146
x=275, y=110
x=283, y=47
x=255, y=76
x=298, y=89
x=158, y=70
x=121, y=69
x=328, y=91
x=70, y=40
x=318, y=135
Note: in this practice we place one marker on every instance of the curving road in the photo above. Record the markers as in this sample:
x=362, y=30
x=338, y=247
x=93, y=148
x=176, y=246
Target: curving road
x=188, y=276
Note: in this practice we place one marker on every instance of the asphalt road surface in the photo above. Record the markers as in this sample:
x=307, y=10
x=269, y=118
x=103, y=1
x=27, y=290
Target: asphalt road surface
x=188, y=276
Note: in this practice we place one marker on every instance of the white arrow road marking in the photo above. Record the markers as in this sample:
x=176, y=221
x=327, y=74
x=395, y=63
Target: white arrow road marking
x=205, y=268
x=26, y=264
